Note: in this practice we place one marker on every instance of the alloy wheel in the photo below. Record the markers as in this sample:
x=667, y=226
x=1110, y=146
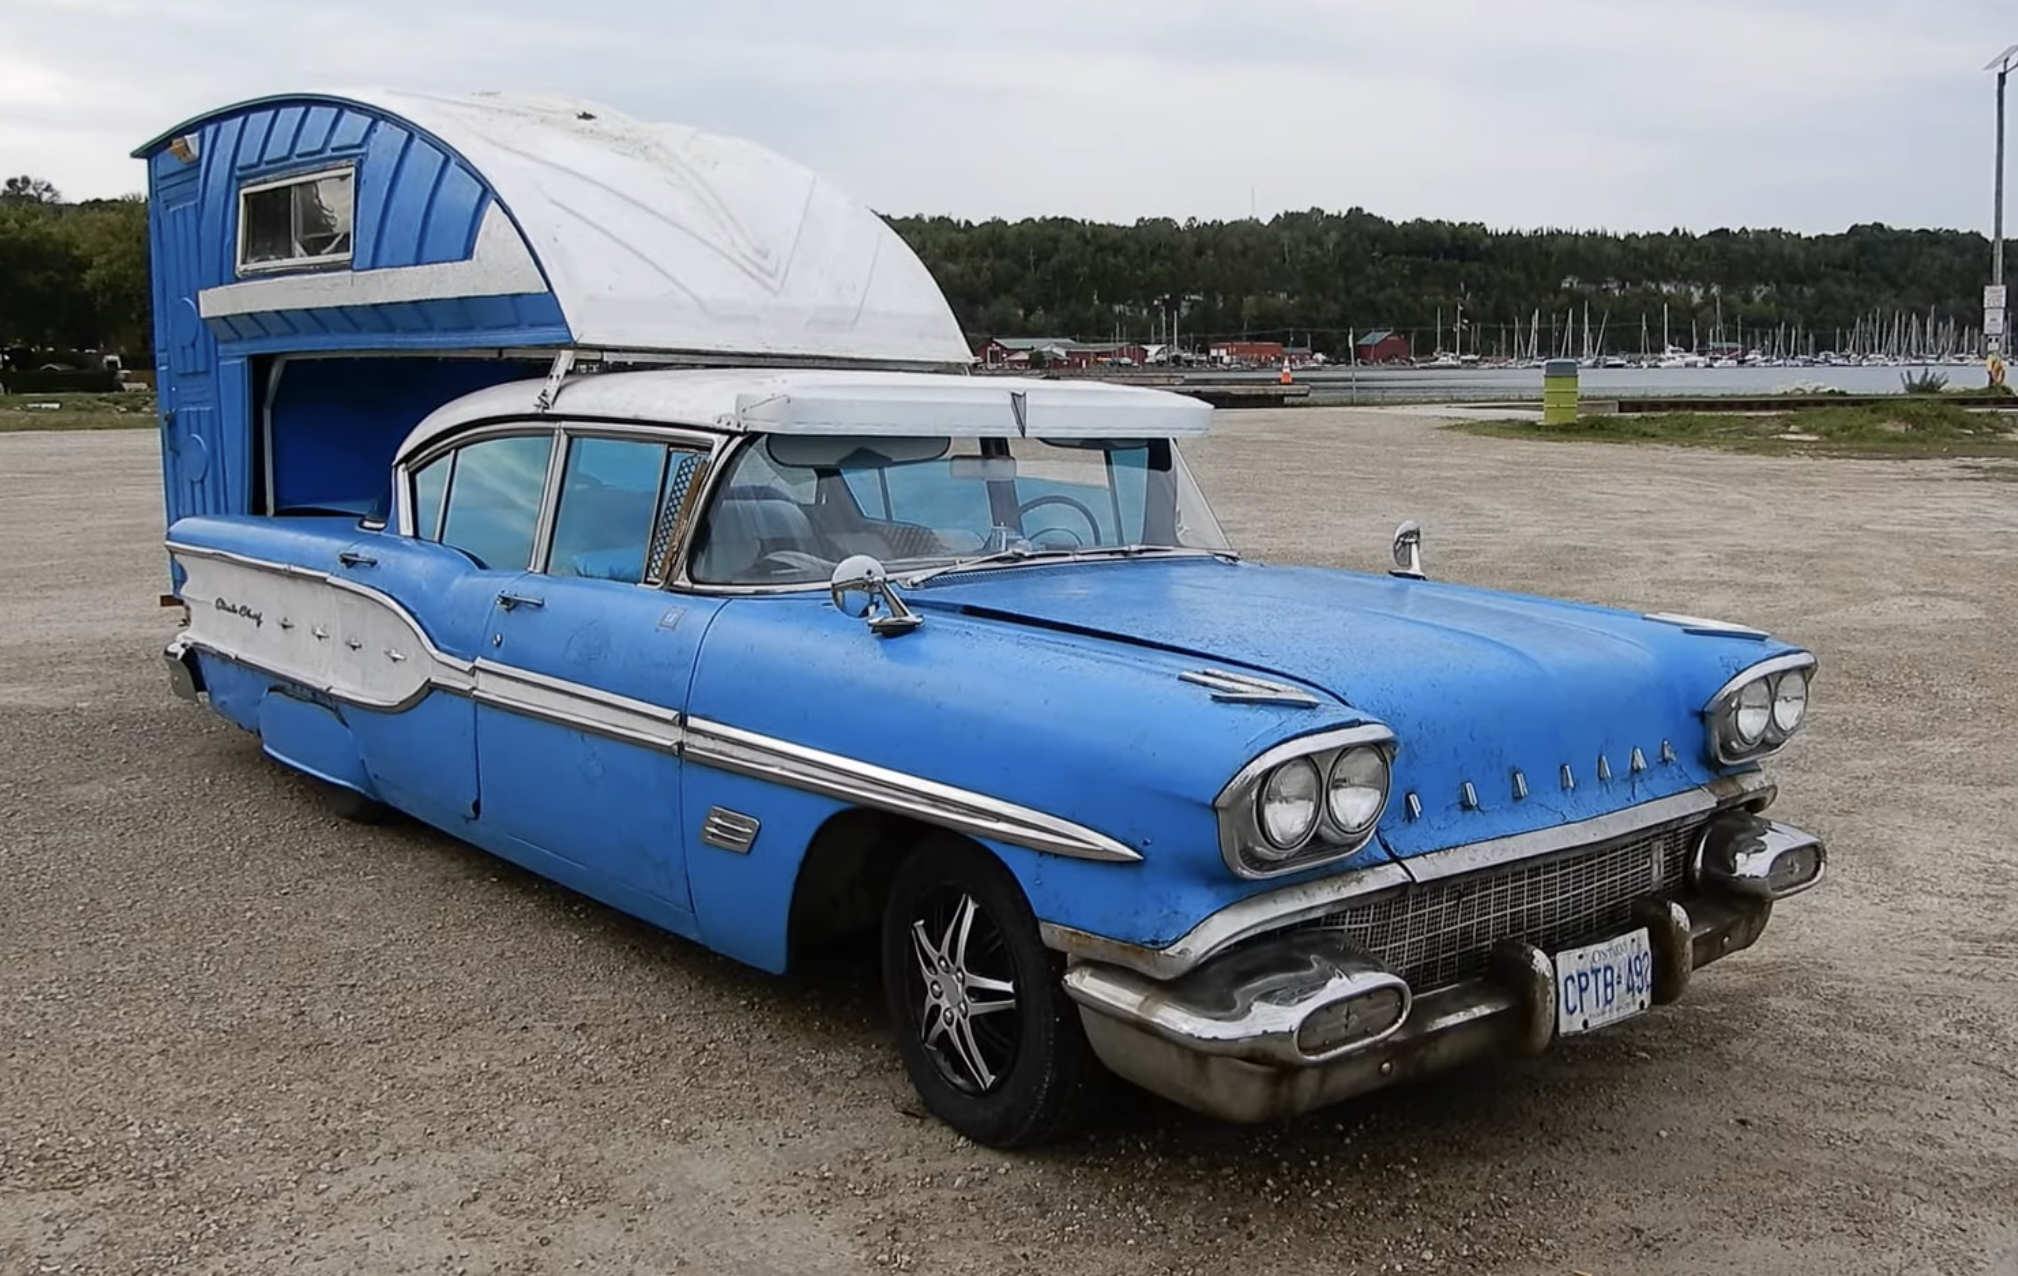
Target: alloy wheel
x=963, y=981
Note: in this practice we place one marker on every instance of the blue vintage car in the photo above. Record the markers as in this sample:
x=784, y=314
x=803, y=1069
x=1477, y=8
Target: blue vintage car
x=812, y=637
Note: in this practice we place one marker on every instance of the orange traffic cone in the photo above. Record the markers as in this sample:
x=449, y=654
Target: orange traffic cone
x=1287, y=379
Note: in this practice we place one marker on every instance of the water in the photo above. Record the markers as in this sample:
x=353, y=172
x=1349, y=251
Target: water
x=1457, y=385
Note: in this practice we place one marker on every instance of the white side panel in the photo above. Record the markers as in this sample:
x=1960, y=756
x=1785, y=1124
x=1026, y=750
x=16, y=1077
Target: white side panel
x=327, y=634
x=499, y=266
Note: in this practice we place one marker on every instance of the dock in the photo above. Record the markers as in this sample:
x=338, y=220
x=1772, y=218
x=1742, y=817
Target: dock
x=1220, y=392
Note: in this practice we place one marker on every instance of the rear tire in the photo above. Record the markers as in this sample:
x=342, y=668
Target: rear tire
x=989, y=1038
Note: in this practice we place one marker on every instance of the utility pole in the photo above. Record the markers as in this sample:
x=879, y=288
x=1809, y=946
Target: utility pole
x=1993, y=297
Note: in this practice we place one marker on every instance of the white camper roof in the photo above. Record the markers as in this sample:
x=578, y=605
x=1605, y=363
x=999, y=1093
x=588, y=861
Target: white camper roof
x=832, y=401
x=662, y=237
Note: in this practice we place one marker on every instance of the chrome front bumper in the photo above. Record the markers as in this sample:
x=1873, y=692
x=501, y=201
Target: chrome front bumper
x=1287, y=1023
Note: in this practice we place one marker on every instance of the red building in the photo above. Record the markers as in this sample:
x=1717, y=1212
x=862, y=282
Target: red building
x=1246, y=352
x=1382, y=345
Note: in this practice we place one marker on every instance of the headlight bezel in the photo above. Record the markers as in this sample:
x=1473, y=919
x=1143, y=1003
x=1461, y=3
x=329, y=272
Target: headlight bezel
x=1727, y=746
x=1246, y=847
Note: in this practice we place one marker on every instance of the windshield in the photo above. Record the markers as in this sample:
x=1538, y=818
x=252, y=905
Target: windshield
x=792, y=507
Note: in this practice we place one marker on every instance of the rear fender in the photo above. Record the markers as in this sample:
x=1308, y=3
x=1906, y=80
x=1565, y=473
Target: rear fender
x=314, y=739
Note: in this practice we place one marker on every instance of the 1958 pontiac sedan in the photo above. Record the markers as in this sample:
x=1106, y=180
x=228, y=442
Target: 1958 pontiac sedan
x=776, y=651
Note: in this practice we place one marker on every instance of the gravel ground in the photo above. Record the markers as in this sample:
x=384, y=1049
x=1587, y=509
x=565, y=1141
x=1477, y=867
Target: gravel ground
x=237, y=1036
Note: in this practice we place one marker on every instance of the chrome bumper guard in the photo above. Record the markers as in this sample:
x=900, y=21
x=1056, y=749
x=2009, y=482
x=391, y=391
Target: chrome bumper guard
x=1285, y=1024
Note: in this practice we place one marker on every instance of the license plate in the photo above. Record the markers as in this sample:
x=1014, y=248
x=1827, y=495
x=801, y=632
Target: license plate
x=1603, y=983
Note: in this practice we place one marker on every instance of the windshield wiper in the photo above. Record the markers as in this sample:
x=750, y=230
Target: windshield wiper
x=1034, y=555
x=987, y=560
x=1138, y=551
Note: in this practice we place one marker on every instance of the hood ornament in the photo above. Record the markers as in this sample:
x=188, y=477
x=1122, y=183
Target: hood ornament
x=1408, y=551
x=1240, y=688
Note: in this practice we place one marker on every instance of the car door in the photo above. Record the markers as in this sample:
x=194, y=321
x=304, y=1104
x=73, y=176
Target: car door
x=441, y=575
x=581, y=689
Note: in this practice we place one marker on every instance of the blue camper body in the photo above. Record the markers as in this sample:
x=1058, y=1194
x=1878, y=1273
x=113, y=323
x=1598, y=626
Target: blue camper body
x=615, y=498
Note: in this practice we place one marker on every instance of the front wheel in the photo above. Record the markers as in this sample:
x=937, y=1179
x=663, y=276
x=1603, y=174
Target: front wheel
x=991, y=1041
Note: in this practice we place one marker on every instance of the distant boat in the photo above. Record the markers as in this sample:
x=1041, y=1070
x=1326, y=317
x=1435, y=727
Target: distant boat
x=1676, y=357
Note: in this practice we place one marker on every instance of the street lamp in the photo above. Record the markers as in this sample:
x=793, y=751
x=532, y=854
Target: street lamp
x=2001, y=64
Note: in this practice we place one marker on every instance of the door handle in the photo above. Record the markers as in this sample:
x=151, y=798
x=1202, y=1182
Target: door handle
x=350, y=559
x=511, y=602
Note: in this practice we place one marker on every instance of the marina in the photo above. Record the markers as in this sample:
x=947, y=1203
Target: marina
x=1484, y=384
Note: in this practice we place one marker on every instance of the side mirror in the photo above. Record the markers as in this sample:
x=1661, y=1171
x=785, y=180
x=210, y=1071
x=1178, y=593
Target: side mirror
x=1408, y=551
x=861, y=588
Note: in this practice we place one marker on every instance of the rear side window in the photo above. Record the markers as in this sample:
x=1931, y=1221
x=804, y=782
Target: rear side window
x=492, y=507
x=616, y=496
x=429, y=486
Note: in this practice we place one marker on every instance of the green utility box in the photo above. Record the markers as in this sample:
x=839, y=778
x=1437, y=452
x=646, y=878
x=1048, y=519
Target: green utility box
x=1559, y=392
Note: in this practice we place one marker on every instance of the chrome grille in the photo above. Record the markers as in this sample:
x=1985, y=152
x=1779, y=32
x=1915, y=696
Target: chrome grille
x=1441, y=933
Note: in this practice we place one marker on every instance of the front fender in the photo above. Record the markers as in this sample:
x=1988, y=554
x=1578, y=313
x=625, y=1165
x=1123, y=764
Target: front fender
x=1101, y=734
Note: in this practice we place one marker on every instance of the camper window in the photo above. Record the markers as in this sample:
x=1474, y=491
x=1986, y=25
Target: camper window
x=299, y=221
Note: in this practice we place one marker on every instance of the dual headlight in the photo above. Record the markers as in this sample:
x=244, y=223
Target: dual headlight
x=1758, y=711
x=1306, y=802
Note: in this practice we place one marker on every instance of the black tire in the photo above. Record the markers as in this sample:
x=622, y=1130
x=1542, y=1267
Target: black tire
x=355, y=807
x=1037, y=1078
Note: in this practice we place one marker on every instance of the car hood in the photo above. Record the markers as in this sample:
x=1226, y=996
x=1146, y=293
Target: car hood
x=1595, y=708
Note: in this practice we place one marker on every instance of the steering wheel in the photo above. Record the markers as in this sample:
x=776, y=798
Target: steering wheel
x=798, y=561
x=1038, y=502
x=1048, y=538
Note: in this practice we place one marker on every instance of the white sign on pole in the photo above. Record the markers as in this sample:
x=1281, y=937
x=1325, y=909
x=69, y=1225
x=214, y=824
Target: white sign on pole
x=1993, y=323
x=1993, y=296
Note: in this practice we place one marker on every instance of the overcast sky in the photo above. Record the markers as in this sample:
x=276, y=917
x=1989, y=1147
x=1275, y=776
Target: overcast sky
x=1622, y=114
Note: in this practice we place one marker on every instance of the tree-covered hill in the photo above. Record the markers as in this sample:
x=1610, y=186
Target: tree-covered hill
x=72, y=276
x=1324, y=275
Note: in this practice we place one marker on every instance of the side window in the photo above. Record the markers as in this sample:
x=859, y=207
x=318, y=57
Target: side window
x=493, y=503
x=429, y=486
x=616, y=495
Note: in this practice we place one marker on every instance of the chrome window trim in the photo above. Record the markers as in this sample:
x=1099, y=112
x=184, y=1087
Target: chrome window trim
x=242, y=268
x=707, y=442
x=680, y=576
x=403, y=471
x=1259, y=914
x=565, y=433
x=550, y=498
